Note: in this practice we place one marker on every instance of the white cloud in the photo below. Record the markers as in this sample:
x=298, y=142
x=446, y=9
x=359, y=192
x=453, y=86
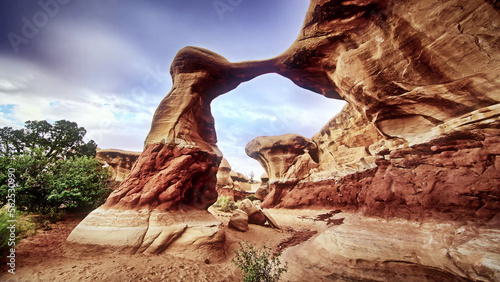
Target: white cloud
x=45, y=96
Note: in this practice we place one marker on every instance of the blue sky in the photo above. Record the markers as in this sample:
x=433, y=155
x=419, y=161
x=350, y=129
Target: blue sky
x=104, y=64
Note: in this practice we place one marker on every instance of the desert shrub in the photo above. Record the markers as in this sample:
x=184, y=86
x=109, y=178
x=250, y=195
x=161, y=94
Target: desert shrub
x=251, y=198
x=258, y=265
x=78, y=183
x=225, y=204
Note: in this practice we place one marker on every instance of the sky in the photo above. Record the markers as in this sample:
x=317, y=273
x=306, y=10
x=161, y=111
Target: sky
x=105, y=65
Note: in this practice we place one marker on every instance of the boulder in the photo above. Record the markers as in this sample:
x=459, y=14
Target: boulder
x=270, y=219
x=261, y=193
x=255, y=215
x=239, y=220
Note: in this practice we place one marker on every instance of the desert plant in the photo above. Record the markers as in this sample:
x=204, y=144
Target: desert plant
x=225, y=204
x=251, y=197
x=258, y=265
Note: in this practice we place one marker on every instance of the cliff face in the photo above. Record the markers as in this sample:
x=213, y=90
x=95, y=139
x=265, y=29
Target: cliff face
x=421, y=128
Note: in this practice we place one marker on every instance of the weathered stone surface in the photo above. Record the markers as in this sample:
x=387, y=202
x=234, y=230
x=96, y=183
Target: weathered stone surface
x=261, y=193
x=255, y=215
x=175, y=175
x=120, y=161
x=401, y=64
x=286, y=158
x=449, y=178
x=188, y=233
x=223, y=175
x=343, y=145
x=239, y=220
x=396, y=250
x=270, y=219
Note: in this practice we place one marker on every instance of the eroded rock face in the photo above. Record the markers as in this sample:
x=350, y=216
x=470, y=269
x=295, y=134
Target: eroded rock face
x=286, y=158
x=163, y=202
x=120, y=161
x=417, y=75
x=365, y=248
x=405, y=66
x=343, y=145
x=223, y=175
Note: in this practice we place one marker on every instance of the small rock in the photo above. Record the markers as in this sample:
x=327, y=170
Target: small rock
x=239, y=220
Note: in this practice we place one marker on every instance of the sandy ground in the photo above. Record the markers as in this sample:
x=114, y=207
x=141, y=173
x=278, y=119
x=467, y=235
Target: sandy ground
x=46, y=257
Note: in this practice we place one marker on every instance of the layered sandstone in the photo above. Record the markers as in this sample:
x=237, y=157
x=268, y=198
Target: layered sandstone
x=120, y=161
x=286, y=158
x=374, y=249
x=163, y=202
x=417, y=75
x=420, y=140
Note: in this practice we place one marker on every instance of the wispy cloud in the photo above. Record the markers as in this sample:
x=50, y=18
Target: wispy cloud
x=105, y=65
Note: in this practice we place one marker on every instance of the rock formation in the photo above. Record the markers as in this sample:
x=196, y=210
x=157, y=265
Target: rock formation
x=163, y=202
x=419, y=140
x=224, y=179
x=287, y=158
x=230, y=183
x=120, y=161
x=421, y=128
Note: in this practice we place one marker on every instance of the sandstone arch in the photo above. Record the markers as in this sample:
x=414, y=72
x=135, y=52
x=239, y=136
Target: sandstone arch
x=408, y=77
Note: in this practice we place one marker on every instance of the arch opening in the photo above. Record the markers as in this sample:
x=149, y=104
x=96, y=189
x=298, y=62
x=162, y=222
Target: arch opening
x=267, y=105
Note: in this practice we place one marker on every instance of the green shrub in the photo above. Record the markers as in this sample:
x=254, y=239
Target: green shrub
x=251, y=198
x=76, y=183
x=52, y=169
x=225, y=204
x=258, y=265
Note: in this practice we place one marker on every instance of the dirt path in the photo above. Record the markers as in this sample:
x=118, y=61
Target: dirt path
x=45, y=256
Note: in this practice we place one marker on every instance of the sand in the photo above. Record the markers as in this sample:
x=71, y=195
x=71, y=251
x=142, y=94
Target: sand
x=47, y=257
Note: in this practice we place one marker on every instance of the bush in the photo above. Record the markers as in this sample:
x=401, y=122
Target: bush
x=53, y=169
x=258, y=265
x=75, y=183
x=251, y=198
x=78, y=183
x=225, y=204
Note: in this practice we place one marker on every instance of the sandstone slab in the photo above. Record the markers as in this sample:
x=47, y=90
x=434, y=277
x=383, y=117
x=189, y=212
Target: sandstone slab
x=239, y=220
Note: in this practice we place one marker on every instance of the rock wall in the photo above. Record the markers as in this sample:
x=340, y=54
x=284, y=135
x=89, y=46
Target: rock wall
x=419, y=132
x=121, y=162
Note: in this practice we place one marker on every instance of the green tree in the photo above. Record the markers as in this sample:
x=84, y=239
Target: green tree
x=78, y=182
x=61, y=140
x=53, y=166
